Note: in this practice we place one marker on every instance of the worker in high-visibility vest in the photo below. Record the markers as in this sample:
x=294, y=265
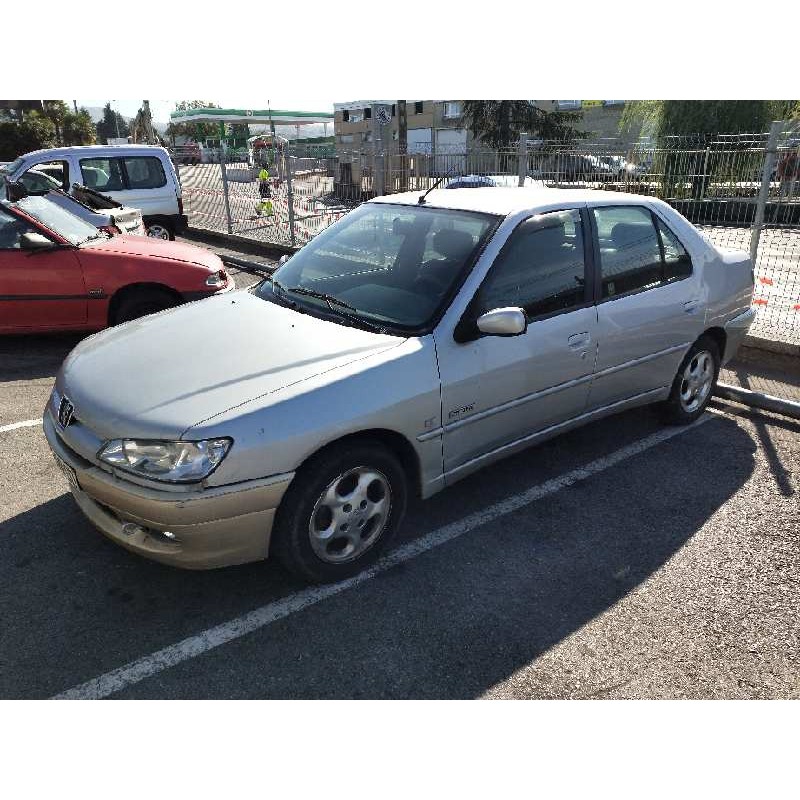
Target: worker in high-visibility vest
x=265, y=193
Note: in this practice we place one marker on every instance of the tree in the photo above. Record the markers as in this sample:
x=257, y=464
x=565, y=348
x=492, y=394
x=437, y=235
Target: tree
x=112, y=125
x=498, y=123
x=193, y=130
x=56, y=111
x=79, y=128
x=34, y=132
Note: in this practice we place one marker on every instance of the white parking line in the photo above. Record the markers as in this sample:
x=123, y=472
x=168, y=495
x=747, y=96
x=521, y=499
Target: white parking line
x=28, y=423
x=196, y=645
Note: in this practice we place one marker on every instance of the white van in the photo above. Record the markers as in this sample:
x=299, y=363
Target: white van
x=139, y=176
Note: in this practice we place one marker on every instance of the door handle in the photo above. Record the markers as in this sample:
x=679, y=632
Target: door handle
x=579, y=340
x=691, y=306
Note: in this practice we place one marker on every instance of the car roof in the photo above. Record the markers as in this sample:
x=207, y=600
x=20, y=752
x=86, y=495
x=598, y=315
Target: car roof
x=506, y=200
x=55, y=152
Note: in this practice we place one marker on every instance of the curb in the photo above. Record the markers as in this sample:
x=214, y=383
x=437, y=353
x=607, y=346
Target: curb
x=766, y=402
x=250, y=245
x=770, y=346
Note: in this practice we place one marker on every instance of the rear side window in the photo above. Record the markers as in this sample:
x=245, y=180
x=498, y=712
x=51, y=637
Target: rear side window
x=144, y=172
x=677, y=262
x=630, y=252
x=103, y=174
x=541, y=269
x=637, y=251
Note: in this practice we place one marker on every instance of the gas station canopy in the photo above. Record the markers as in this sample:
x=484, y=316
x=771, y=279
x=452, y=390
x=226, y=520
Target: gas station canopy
x=252, y=116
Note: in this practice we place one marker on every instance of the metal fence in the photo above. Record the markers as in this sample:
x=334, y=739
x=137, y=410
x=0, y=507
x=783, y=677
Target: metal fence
x=741, y=191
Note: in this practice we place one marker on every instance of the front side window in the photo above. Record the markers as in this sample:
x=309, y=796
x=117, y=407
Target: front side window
x=103, y=174
x=637, y=253
x=11, y=230
x=144, y=172
x=392, y=265
x=45, y=176
x=541, y=269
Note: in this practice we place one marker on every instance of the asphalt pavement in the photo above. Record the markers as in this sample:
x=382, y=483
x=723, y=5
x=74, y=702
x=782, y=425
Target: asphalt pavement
x=622, y=560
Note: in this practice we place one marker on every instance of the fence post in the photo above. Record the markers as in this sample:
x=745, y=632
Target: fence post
x=290, y=197
x=522, y=156
x=379, y=177
x=222, y=167
x=763, y=193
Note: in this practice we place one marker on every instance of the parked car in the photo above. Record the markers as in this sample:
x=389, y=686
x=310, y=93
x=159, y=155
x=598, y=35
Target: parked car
x=408, y=345
x=58, y=272
x=121, y=220
x=478, y=181
x=138, y=176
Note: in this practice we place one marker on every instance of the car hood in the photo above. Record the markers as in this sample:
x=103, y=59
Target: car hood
x=156, y=248
x=158, y=376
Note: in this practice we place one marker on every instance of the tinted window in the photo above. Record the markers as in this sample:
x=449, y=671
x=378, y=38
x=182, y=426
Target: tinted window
x=677, y=262
x=102, y=174
x=630, y=254
x=144, y=172
x=11, y=229
x=541, y=268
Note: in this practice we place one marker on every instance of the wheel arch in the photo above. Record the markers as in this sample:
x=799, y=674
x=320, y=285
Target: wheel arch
x=132, y=288
x=720, y=338
x=393, y=441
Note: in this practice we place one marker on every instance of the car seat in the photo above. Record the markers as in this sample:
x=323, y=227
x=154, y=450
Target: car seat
x=454, y=246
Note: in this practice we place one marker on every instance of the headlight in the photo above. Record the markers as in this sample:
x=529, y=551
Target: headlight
x=175, y=462
x=218, y=279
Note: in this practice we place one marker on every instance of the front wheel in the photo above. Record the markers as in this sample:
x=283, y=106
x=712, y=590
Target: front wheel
x=694, y=383
x=159, y=230
x=340, y=512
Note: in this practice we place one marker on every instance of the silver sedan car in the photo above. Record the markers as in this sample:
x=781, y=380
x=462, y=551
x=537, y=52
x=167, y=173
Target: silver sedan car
x=415, y=341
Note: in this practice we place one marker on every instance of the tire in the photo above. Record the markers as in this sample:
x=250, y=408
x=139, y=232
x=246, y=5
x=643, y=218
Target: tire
x=355, y=488
x=141, y=302
x=160, y=230
x=686, y=402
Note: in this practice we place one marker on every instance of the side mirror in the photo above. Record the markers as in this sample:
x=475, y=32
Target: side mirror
x=35, y=241
x=503, y=322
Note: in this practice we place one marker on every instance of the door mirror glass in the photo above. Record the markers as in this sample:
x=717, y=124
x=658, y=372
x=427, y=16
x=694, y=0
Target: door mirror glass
x=34, y=241
x=503, y=322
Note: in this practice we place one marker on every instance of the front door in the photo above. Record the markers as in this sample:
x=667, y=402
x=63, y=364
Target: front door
x=39, y=289
x=497, y=390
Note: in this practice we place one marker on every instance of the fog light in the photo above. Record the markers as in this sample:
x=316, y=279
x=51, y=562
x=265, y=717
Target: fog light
x=130, y=528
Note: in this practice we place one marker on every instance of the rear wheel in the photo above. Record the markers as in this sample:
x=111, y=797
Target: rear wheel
x=340, y=512
x=141, y=302
x=694, y=383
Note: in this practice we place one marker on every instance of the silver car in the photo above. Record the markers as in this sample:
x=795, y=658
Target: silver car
x=415, y=341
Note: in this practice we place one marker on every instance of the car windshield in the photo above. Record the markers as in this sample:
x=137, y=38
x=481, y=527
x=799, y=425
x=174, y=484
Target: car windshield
x=66, y=225
x=392, y=266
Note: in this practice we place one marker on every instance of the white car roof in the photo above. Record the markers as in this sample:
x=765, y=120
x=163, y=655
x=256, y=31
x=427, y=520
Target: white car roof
x=505, y=200
x=92, y=149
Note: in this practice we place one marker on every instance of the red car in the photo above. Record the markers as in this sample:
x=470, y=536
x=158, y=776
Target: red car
x=60, y=273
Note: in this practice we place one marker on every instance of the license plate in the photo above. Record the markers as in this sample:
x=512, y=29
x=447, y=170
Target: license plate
x=69, y=473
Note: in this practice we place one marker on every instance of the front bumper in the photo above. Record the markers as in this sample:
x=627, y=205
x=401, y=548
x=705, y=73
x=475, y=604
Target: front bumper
x=215, y=527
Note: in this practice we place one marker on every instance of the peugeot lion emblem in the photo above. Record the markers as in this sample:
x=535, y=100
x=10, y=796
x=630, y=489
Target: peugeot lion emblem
x=65, y=412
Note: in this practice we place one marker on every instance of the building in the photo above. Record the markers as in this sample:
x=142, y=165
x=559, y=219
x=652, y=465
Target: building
x=433, y=125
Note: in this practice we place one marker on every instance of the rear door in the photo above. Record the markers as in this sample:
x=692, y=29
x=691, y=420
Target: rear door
x=39, y=289
x=650, y=304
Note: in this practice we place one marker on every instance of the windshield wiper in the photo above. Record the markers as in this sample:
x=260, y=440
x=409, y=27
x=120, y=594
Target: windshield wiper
x=335, y=301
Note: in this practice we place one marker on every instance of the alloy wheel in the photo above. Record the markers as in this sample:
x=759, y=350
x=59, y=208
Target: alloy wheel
x=698, y=377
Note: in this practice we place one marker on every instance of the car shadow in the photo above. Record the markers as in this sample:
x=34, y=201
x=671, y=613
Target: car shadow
x=33, y=356
x=451, y=623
